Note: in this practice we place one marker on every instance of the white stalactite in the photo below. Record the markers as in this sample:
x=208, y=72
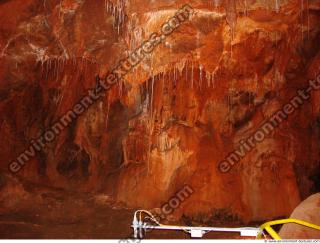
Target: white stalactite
x=231, y=16
x=277, y=6
x=216, y=3
x=200, y=74
x=192, y=73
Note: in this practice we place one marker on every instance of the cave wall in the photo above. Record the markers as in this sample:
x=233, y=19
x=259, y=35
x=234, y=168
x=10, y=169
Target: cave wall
x=177, y=114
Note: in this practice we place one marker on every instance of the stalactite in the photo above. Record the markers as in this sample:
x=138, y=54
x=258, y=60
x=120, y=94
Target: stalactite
x=216, y=3
x=277, y=6
x=231, y=16
x=180, y=66
x=107, y=115
x=54, y=69
x=246, y=8
x=41, y=63
x=200, y=74
x=150, y=120
x=192, y=73
x=213, y=79
x=152, y=95
x=60, y=7
x=47, y=69
x=256, y=80
x=163, y=75
x=57, y=69
x=308, y=20
x=302, y=18
x=118, y=12
x=208, y=77
x=186, y=70
x=198, y=54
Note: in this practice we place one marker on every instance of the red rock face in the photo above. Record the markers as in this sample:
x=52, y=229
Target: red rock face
x=177, y=115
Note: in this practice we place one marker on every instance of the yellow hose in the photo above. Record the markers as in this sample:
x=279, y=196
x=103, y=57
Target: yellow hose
x=274, y=235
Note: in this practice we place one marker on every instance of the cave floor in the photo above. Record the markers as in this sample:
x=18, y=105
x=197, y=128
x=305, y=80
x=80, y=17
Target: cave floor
x=64, y=215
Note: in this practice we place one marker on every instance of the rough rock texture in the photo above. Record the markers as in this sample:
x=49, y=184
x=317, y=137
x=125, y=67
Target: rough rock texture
x=309, y=211
x=178, y=114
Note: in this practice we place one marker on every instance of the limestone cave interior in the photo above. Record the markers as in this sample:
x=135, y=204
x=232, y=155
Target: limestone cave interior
x=226, y=105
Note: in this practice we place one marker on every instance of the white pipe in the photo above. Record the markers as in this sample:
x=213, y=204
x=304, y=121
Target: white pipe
x=139, y=225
